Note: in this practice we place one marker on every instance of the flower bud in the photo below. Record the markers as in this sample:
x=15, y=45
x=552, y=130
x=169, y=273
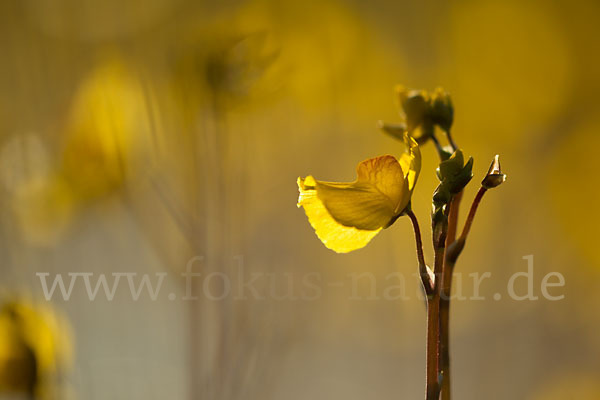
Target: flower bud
x=415, y=104
x=454, y=173
x=494, y=177
x=442, y=111
x=427, y=130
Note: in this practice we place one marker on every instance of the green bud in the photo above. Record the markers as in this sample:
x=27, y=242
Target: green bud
x=494, y=177
x=459, y=181
x=454, y=173
x=442, y=111
x=451, y=166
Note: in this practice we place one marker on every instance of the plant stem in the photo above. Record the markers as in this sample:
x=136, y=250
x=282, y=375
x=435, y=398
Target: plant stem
x=433, y=304
x=472, y=212
x=451, y=141
x=446, y=291
x=427, y=277
x=433, y=330
x=445, y=335
x=433, y=313
x=454, y=250
x=438, y=147
x=432, y=293
x=457, y=246
x=453, y=218
x=438, y=304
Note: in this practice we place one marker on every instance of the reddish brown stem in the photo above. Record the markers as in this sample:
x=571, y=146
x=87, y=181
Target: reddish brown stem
x=433, y=330
x=433, y=304
x=453, y=218
x=446, y=291
x=472, y=212
x=454, y=247
x=433, y=315
x=426, y=277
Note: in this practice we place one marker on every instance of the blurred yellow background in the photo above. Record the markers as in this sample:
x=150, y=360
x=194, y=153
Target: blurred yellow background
x=135, y=136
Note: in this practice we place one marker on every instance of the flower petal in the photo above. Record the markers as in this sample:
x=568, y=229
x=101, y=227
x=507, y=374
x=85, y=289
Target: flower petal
x=358, y=205
x=346, y=216
x=410, y=161
x=386, y=175
x=333, y=234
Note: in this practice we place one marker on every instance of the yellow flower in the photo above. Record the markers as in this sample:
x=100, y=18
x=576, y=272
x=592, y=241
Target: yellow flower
x=346, y=216
x=35, y=349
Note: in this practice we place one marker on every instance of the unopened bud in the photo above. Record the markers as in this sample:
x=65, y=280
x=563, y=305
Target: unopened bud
x=454, y=173
x=494, y=177
x=442, y=111
x=415, y=104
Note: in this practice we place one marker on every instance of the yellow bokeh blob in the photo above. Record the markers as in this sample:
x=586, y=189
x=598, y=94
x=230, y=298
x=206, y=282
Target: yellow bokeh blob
x=103, y=131
x=507, y=64
x=328, y=55
x=43, y=209
x=572, y=187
